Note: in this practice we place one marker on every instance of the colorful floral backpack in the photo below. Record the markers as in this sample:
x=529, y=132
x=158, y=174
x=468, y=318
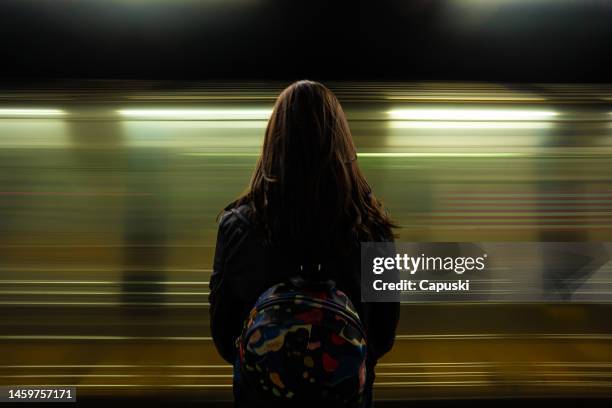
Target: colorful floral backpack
x=302, y=343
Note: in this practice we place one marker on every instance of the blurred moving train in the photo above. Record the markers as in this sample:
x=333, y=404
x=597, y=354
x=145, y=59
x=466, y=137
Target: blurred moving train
x=109, y=193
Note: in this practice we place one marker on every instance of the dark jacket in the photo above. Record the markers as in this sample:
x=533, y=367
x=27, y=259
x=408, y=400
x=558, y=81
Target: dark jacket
x=244, y=266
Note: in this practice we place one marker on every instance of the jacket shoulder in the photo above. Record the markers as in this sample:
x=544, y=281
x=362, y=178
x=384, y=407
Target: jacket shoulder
x=235, y=217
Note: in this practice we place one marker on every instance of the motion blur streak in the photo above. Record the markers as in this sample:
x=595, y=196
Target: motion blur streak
x=468, y=125
x=30, y=113
x=469, y=114
x=109, y=194
x=197, y=114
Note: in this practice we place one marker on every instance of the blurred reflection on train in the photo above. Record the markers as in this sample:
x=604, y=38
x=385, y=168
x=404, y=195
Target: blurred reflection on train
x=109, y=193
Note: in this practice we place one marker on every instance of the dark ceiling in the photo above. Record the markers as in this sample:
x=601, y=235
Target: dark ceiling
x=502, y=40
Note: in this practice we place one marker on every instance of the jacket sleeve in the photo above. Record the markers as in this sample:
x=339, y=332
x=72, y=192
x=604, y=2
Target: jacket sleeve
x=225, y=312
x=383, y=318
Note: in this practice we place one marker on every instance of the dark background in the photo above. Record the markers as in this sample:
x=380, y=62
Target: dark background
x=501, y=40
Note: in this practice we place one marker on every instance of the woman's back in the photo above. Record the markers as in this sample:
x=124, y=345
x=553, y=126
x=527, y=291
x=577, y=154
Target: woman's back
x=307, y=204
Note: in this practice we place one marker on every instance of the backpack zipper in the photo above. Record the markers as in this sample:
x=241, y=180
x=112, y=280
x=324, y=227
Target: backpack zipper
x=271, y=302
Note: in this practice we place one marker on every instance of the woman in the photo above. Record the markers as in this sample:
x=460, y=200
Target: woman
x=307, y=202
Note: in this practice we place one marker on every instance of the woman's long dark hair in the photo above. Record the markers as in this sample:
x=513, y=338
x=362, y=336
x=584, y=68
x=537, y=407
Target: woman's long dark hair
x=307, y=188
